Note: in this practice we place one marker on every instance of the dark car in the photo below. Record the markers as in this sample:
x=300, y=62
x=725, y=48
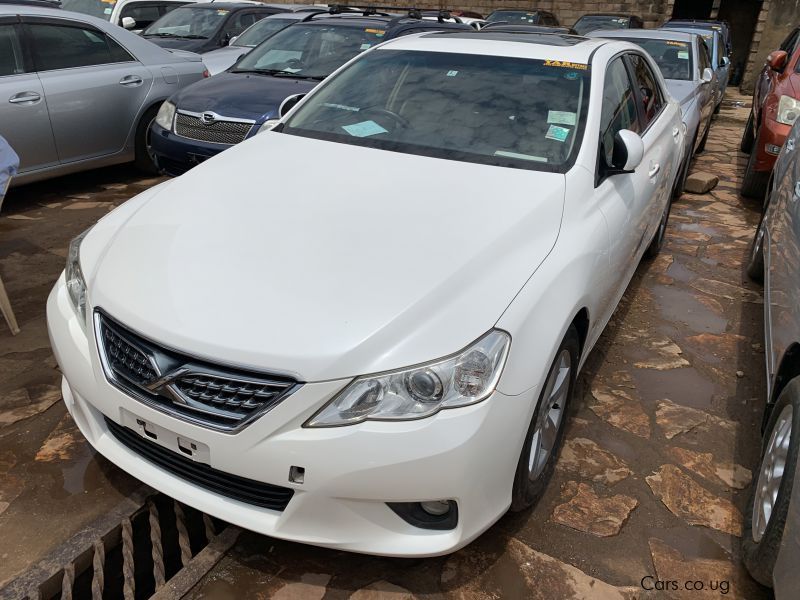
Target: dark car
x=595, y=21
x=515, y=16
x=502, y=27
x=203, y=120
x=206, y=26
x=721, y=26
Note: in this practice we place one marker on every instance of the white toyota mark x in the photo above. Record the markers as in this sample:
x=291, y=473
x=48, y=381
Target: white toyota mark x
x=362, y=329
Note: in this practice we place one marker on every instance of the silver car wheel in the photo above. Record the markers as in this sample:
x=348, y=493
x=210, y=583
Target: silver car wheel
x=771, y=475
x=551, y=415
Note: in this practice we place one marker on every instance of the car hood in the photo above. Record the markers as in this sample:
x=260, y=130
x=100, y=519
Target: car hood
x=240, y=95
x=333, y=261
x=217, y=61
x=683, y=91
x=191, y=45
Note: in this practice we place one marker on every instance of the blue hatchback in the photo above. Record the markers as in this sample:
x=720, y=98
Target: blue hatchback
x=209, y=116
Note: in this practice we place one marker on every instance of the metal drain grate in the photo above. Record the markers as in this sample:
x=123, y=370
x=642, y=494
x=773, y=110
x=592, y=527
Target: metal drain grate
x=160, y=551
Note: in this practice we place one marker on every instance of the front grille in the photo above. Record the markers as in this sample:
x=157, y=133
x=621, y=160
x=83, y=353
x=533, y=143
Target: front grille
x=246, y=490
x=218, y=132
x=210, y=395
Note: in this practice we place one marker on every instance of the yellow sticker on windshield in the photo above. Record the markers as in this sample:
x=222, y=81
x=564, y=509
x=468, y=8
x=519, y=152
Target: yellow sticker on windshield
x=679, y=44
x=565, y=64
x=375, y=31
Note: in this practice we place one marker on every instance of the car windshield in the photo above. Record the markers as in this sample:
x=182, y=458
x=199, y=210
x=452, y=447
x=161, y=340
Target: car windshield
x=512, y=16
x=309, y=51
x=265, y=28
x=591, y=22
x=188, y=22
x=674, y=58
x=96, y=8
x=504, y=111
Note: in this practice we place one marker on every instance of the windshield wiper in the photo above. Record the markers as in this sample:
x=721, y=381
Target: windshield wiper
x=160, y=34
x=192, y=36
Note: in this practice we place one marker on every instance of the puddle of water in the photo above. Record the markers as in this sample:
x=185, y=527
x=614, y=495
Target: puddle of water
x=75, y=474
x=683, y=386
x=679, y=305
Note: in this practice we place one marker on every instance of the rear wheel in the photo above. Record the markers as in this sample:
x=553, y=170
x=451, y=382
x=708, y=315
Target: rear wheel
x=748, y=137
x=144, y=160
x=754, y=183
x=546, y=430
x=702, y=145
x=766, y=514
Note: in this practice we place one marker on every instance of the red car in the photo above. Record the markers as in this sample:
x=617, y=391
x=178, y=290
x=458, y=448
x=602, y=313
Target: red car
x=776, y=105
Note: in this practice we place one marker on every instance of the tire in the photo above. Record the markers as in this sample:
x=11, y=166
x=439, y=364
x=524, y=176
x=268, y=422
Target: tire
x=702, y=145
x=144, y=160
x=754, y=183
x=717, y=108
x=661, y=233
x=748, y=137
x=763, y=529
x=680, y=184
x=530, y=483
x=755, y=261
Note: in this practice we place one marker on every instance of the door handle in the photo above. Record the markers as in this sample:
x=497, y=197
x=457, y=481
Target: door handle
x=654, y=169
x=676, y=131
x=131, y=80
x=25, y=98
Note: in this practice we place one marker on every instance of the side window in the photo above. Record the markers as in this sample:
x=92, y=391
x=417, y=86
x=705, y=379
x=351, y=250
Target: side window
x=619, y=108
x=68, y=46
x=705, y=60
x=790, y=41
x=143, y=14
x=170, y=6
x=10, y=51
x=646, y=81
x=240, y=22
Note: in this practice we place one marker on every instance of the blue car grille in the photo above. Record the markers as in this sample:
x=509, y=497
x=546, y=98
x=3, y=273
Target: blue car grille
x=216, y=132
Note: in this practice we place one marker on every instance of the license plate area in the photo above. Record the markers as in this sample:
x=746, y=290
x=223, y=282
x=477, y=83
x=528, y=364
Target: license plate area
x=166, y=438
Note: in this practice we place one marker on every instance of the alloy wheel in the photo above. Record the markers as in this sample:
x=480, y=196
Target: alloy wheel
x=771, y=475
x=551, y=415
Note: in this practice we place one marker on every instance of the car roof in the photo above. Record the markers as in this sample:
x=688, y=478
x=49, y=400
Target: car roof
x=610, y=14
x=504, y=27
x=225, y=5
x=647, y=34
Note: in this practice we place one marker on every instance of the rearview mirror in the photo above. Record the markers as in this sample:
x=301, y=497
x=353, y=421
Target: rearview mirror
x=288, y=104
x=777, y=60
x=128, y=23
x=708, y=75
x=628, y=152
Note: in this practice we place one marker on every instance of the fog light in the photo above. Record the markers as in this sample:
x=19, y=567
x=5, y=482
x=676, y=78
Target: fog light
x=772, y=149
x=437, y=508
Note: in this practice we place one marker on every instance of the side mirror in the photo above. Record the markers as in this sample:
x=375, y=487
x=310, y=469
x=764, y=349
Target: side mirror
x=128, y=23
x=777, y=60
x=232, y=40
x=708, y=75
x=225, y=39
x=628, y=152
x=725, y=61
x=288, y=104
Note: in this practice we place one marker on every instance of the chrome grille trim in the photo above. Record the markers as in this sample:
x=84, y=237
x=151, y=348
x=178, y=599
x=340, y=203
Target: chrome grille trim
x=213, y=396
x=221, y=130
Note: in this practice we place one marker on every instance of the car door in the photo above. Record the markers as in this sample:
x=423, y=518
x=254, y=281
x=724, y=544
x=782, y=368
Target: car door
x=24, y=120
x=94, y=87
x=707, y=88
x=622, y=198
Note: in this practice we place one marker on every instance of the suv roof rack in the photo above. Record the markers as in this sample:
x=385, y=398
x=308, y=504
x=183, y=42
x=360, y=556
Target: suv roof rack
x=412, y=12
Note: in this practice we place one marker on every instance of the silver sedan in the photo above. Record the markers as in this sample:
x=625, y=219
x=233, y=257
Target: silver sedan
x=771, y=538
x=685, y=63
x=84, y=94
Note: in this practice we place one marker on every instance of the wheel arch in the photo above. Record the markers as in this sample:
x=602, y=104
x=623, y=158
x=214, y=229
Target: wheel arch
x=788, y=370
x=581, y=323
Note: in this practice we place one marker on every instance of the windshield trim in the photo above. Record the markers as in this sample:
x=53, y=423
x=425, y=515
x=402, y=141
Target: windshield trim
x=443, y=153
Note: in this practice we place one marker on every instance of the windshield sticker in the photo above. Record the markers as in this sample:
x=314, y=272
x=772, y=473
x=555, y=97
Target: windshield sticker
x=108, y=11
x=559, y=134
x=565, y=64
x=572, y=75
x=366, y=46
x=341, y=106
x=562, y=118
x=222, y=13
x=683, y=54
x=378, y=32
x=507, y=154
x=108, y=1
x=679, y=44
x=452, y=73
x=364, y=129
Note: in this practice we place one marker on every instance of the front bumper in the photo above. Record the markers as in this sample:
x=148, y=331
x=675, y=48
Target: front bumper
x=468, y=455
x=773, y=134
x=175, y=154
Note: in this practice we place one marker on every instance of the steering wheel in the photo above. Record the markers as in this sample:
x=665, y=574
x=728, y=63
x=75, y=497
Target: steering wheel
x=402, y=121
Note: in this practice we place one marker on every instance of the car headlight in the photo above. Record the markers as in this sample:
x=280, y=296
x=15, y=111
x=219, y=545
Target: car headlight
x=165, y=115
x=788, y=110
x=76, y=284
x=421, y=391
x=268, y=125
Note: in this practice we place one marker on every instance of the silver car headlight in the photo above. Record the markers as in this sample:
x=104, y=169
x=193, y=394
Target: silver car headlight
x=268, y=125
x=76, y=284
x=788, y=110
x=165, y=115
x=421, y=391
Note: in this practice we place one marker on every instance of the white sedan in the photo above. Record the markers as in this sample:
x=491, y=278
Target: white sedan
x=376, y=359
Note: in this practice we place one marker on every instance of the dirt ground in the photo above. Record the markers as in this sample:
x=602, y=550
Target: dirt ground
x=650, y=487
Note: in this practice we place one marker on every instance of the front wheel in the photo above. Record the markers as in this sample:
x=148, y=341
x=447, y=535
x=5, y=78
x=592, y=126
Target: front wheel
x=769, y=505
x=144, y=160
x=546, y=430
x=754, y=183
x=702, y=145
x=748, y=137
